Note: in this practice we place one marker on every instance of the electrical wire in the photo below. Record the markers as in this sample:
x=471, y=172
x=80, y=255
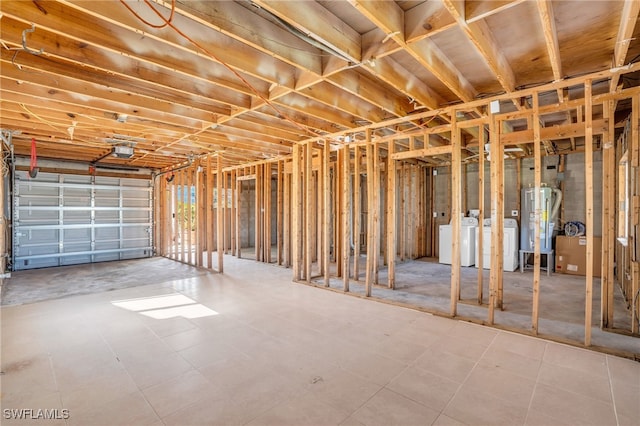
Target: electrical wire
x=48, y=123
x=166, y=23
x=215, y=57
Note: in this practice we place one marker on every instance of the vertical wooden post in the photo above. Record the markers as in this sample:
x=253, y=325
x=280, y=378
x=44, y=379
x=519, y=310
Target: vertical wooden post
x=496, y=152
x=538, y=182
x=267, y=212
x=633, y=220
x=208, y=208
x=376, y=212
x=588, y=159
x=286, y=231
x=296, y=212
x=319, y=212
x=234, y=208
x=519, y=187
x=337, y=206
x=198, y=219
x=480, y=233
x=3, y=222
x=370, y=208
x=308, y=228
x=225, y=232
x=497, y=213
x=456, y=195
x=391, y=216
x=326, y=217
x=346, y=212
x=220, y=217
x=403, y=211
x=190, y=172
x=357, y=213
x=180, y=241
x=279, y=205
x=607, y=283
x=258, y=213
x=239, y=216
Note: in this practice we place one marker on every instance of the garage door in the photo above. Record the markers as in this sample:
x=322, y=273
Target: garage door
x=64, y=219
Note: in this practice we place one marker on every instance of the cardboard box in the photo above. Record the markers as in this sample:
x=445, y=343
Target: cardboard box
x=571, y=255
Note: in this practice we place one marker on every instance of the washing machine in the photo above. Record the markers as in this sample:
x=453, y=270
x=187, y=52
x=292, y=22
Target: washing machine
x=510, y=241
x=467, y=242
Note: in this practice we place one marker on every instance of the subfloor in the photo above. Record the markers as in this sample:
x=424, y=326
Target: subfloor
x=250, y=348
x=426, y=284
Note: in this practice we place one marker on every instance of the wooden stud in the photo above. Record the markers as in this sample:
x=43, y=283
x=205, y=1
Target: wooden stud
x=319, y=212
x=403, y=211
x=634, y=146
x=220, y=217
x=189, y=247
x=357, y=213
x=209, y=212
x=308, y=180
x=538, y=211
x=432, y=211
x=267, y=212
x=519, y=188
x=239, y=221
x=286, y=218
x=370, y=208
x=588, y=160
x=376, y=212
x=225, y=232
x=279, y=209
x=258, y=214
x=345, y=213
x=233, y=213
x=198, y=219
x=326, y=217
x=480, y=233
x=607, y=283
x=391, y=217
x=182, y=239
x=456, y=195
x=463, y=178
x=3, y=222
x=296, y=212
x=494, y=152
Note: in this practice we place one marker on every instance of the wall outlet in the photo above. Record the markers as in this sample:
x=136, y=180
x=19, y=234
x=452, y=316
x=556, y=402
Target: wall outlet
x=514, y=213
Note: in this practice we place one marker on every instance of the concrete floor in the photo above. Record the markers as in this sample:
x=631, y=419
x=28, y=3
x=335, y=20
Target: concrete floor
x=426, y=284
x=248, y=347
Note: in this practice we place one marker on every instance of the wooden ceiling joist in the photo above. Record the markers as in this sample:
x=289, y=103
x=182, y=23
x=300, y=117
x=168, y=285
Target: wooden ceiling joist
x=251, y=79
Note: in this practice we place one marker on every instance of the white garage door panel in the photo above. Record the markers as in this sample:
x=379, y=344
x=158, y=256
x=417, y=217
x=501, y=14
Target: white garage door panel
x=69, y=219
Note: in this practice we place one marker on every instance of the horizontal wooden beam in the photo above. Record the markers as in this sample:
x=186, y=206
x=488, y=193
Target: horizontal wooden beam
x=425, y=152
x=553, y=132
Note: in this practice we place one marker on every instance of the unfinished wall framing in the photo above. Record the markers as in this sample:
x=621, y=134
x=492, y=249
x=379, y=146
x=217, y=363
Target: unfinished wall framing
x=344, y=215
x=192, y=209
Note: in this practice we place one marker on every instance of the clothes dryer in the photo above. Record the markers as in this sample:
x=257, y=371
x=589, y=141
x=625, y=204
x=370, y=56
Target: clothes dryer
x=467, y=242
x=510, y=241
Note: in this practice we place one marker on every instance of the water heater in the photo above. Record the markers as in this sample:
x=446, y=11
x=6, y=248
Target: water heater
x=550, y=199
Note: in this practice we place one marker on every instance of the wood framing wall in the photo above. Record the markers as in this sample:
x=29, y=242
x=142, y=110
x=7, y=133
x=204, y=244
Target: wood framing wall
x=192, y=206
x=4, y=243
x=339, y=213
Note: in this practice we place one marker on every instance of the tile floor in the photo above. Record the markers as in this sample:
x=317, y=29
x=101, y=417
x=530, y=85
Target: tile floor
x=251, y=348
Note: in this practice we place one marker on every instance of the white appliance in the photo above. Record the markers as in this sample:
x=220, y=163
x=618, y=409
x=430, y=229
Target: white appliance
x=510, y=253
x=467, y=242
